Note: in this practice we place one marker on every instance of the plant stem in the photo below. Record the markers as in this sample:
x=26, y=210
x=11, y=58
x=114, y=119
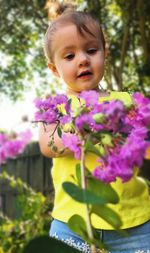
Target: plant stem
x=83, y=184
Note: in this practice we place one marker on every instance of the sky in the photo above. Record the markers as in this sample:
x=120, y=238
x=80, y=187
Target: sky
x=11, y=114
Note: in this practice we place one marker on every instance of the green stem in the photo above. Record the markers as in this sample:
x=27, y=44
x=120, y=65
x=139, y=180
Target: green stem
x=83, y=184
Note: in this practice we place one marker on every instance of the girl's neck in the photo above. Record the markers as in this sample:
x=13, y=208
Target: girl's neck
x=72, y=92
x=102, y=93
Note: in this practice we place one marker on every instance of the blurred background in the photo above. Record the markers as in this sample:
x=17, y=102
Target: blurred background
x=26, y=191
x=23, y=67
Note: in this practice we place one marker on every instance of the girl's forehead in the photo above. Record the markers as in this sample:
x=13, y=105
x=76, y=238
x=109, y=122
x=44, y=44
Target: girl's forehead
x=70, y=31
x=69, y=36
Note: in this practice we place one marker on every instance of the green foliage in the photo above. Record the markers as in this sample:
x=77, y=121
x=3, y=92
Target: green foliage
x=108, y=215
x=22, y=29
x=95, y=197
x=89, y=147
x=126, y=24
x=23, y=25
x=105, y=191
x=82, y=195
x=78, y=174
x=59, y=131
x=78, y=225
x=34, y=218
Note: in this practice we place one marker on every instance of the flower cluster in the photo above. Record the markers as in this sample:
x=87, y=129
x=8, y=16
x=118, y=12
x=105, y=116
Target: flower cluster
x=13, y=144
x=119, y=131
x=50, y=109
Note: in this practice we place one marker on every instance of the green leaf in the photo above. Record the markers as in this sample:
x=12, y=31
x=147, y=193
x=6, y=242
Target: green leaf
x=59, y=132
x=78, y=225
x=108, y=215
x=82, y=195
x=105, y=191
x=78, y=174
x=99, y=118
x=69, y=101
x=89, y=147
x=47, y=244
x=106, y=139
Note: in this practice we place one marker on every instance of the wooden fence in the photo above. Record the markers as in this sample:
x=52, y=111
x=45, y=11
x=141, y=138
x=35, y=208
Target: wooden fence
x=32, y=168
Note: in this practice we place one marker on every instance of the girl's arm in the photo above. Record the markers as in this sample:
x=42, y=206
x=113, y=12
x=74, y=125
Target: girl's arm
x=45, y=131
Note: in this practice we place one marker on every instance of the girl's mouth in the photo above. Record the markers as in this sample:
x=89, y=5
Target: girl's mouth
x=85, y=74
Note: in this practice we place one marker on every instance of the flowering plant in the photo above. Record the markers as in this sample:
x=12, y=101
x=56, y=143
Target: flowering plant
x=13, y=144
x=116, y=133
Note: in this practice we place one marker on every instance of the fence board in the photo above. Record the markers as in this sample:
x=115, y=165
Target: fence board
x=31, y=167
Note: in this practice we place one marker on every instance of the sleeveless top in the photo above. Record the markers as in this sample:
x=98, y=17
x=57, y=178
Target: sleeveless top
x=134, y=203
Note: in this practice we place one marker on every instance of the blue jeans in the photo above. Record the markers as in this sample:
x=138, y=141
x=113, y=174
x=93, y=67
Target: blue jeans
x=138, y=240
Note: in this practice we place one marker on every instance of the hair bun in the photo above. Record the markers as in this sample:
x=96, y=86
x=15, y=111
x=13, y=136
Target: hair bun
x=55, y=9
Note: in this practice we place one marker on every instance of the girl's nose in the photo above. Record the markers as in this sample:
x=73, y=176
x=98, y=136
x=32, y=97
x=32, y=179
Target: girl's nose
x=83, y=59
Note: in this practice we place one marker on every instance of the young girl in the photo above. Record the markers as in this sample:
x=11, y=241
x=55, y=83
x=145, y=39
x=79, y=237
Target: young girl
x=75, y=48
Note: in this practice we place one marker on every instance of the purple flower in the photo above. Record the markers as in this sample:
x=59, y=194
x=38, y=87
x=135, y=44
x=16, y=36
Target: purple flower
x=120, y=161
x=47, y=110
x=38, y=103
x=38, y=116
x=44, y=104
x=3, y=138
x=113, y=111
x=73, y=143
x=65, y=119
x=139, y=115
x=128, y=128
x=120, y=167
x=62, y=99
x=50, y=116
x=25, y=136
x=91, y=97
x=3, y=157
x=143, y=106
x=104, y=174
x=84, y=120
x=50, y=110
x=114, y=167
x=12, y=147
x=135, y=147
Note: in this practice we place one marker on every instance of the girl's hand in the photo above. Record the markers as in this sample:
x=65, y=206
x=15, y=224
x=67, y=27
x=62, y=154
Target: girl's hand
x=50, y=143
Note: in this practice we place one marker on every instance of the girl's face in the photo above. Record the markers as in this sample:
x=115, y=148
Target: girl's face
x=77, y=59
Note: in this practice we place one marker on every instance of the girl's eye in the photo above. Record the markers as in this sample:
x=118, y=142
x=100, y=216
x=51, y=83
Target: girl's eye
x=69, y=56
x=92, y=50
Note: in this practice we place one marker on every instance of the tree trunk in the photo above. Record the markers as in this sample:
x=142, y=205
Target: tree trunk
x=142, y=26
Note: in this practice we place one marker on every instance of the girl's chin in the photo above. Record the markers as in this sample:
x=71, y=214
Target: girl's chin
x=84, y=88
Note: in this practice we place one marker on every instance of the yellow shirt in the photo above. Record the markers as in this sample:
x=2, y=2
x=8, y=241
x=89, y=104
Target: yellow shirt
x=134, y=204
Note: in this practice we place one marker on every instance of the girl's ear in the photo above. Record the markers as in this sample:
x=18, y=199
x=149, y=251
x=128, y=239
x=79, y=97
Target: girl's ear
x=53, y=68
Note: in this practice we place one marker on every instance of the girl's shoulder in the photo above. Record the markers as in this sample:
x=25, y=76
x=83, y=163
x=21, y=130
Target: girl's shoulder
x=124, y=96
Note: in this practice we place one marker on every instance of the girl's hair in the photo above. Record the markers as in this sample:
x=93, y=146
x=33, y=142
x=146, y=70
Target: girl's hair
x=84, y=23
